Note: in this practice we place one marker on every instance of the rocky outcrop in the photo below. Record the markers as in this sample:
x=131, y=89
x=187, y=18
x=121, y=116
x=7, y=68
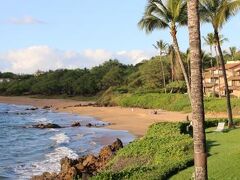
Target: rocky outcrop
x=76, y=124
x=46, y=126
x=83, y=167
x=46, y=107
x=85, y=104
x=32, y=109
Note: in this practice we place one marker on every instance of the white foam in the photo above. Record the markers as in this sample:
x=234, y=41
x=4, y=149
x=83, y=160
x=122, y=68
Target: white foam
x=51, y=163
x=60, y=138
x=42, y=120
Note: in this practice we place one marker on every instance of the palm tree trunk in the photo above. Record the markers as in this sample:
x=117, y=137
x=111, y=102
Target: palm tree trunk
x=198, y=116
x=189, y=68
x=172, y=66
x=211, y=72
x=203, y=76
x=177, y=50
x=217, y=60
x=163, y=73
x=229, y=108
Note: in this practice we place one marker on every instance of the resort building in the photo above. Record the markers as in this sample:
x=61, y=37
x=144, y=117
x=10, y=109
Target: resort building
x=214, y=82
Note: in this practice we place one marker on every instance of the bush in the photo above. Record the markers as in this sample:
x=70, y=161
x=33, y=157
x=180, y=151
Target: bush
x=177, y=87
x=171, y=102
x=163, y=151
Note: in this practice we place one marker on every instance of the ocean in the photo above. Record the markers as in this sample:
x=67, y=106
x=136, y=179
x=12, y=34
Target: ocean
x=26, y=151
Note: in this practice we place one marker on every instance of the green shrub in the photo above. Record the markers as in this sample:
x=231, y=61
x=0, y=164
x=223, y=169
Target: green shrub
x=171, y=102
x=164, y=150
x=177, y=87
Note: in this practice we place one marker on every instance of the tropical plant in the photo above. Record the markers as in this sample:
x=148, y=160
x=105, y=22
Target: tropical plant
x=162, y=47
x=210, y=41
x=198, y=116
x=233, y=52
x=167, y=14
x=217, y=12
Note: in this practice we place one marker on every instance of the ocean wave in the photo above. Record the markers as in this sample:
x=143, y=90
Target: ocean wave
x=60, y=138
x=51, y=163
x=42, y=120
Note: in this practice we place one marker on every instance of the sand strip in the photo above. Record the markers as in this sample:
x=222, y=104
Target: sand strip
x=134, y=120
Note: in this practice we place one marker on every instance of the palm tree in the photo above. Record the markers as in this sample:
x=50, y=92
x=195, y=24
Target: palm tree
x=168, y=14
x=210, y=41
x=188, y=64
x=162, y=47
x=233, y=52
x=217, y=12
x=198, y=116
x=172, y=55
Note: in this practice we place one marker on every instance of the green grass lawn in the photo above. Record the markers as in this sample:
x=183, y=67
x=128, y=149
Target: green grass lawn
x=224, y=159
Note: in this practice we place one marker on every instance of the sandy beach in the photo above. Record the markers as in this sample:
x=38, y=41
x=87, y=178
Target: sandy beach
x=134, y=120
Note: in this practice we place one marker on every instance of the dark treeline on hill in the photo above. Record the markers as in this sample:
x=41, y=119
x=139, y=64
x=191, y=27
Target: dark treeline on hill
x=146, y=76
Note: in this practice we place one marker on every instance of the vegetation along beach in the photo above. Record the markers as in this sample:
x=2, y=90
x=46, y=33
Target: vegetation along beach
x=131, y=90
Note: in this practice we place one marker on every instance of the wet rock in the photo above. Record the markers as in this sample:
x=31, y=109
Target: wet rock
x=105, y=153
x=117, y=145
x=89, y=125
x=76, y=124
x=32, y=109
x=45, y=176
x=84, y=167
x=85, y=104
x=89, y=161
x=46, y=107
x=46, y=126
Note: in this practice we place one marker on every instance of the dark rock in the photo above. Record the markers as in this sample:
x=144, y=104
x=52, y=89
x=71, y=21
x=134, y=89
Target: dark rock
x=32, y=109
x=84, y=167
x=46, y=107
x=85, y=104
x=89, y=125
x=76, y=124
x=89, y=161
x=45, y=176
x=45, y=126
x=105, y=153
x=117, y=145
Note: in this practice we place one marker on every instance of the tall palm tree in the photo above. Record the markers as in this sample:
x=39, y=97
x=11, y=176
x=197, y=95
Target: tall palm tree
x=198, y=116
x=167, y=14
x=210, y=41
x=233, y=52
x=162, y=47
x=188, y=64
x=172, y=55
x=217, y=12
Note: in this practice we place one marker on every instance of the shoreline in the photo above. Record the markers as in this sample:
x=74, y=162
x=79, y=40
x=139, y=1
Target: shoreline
x=134, y=120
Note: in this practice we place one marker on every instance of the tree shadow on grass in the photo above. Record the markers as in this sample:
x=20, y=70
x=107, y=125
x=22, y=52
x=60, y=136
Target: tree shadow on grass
x=211, y=144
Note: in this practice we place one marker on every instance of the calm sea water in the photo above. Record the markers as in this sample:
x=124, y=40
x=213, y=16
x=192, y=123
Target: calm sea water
x=25, y=152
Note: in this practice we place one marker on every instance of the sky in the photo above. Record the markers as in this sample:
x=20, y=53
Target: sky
x=50, y=34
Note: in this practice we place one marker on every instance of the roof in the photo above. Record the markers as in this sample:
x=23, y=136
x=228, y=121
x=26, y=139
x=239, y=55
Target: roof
x=227, y=66
x=209, y=75
x=234, y=78
x=209, y=85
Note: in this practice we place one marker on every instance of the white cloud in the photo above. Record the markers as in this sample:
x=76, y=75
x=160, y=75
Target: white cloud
x=31, y=59
x=135, y=56
x=25, y=20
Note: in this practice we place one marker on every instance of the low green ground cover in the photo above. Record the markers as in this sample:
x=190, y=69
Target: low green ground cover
x=170, y=102
x=167, y=149
x=224, y=159
x=164, y=150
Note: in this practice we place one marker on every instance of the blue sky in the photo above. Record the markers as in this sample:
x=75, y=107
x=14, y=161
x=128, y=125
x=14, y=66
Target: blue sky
x=76, y=33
